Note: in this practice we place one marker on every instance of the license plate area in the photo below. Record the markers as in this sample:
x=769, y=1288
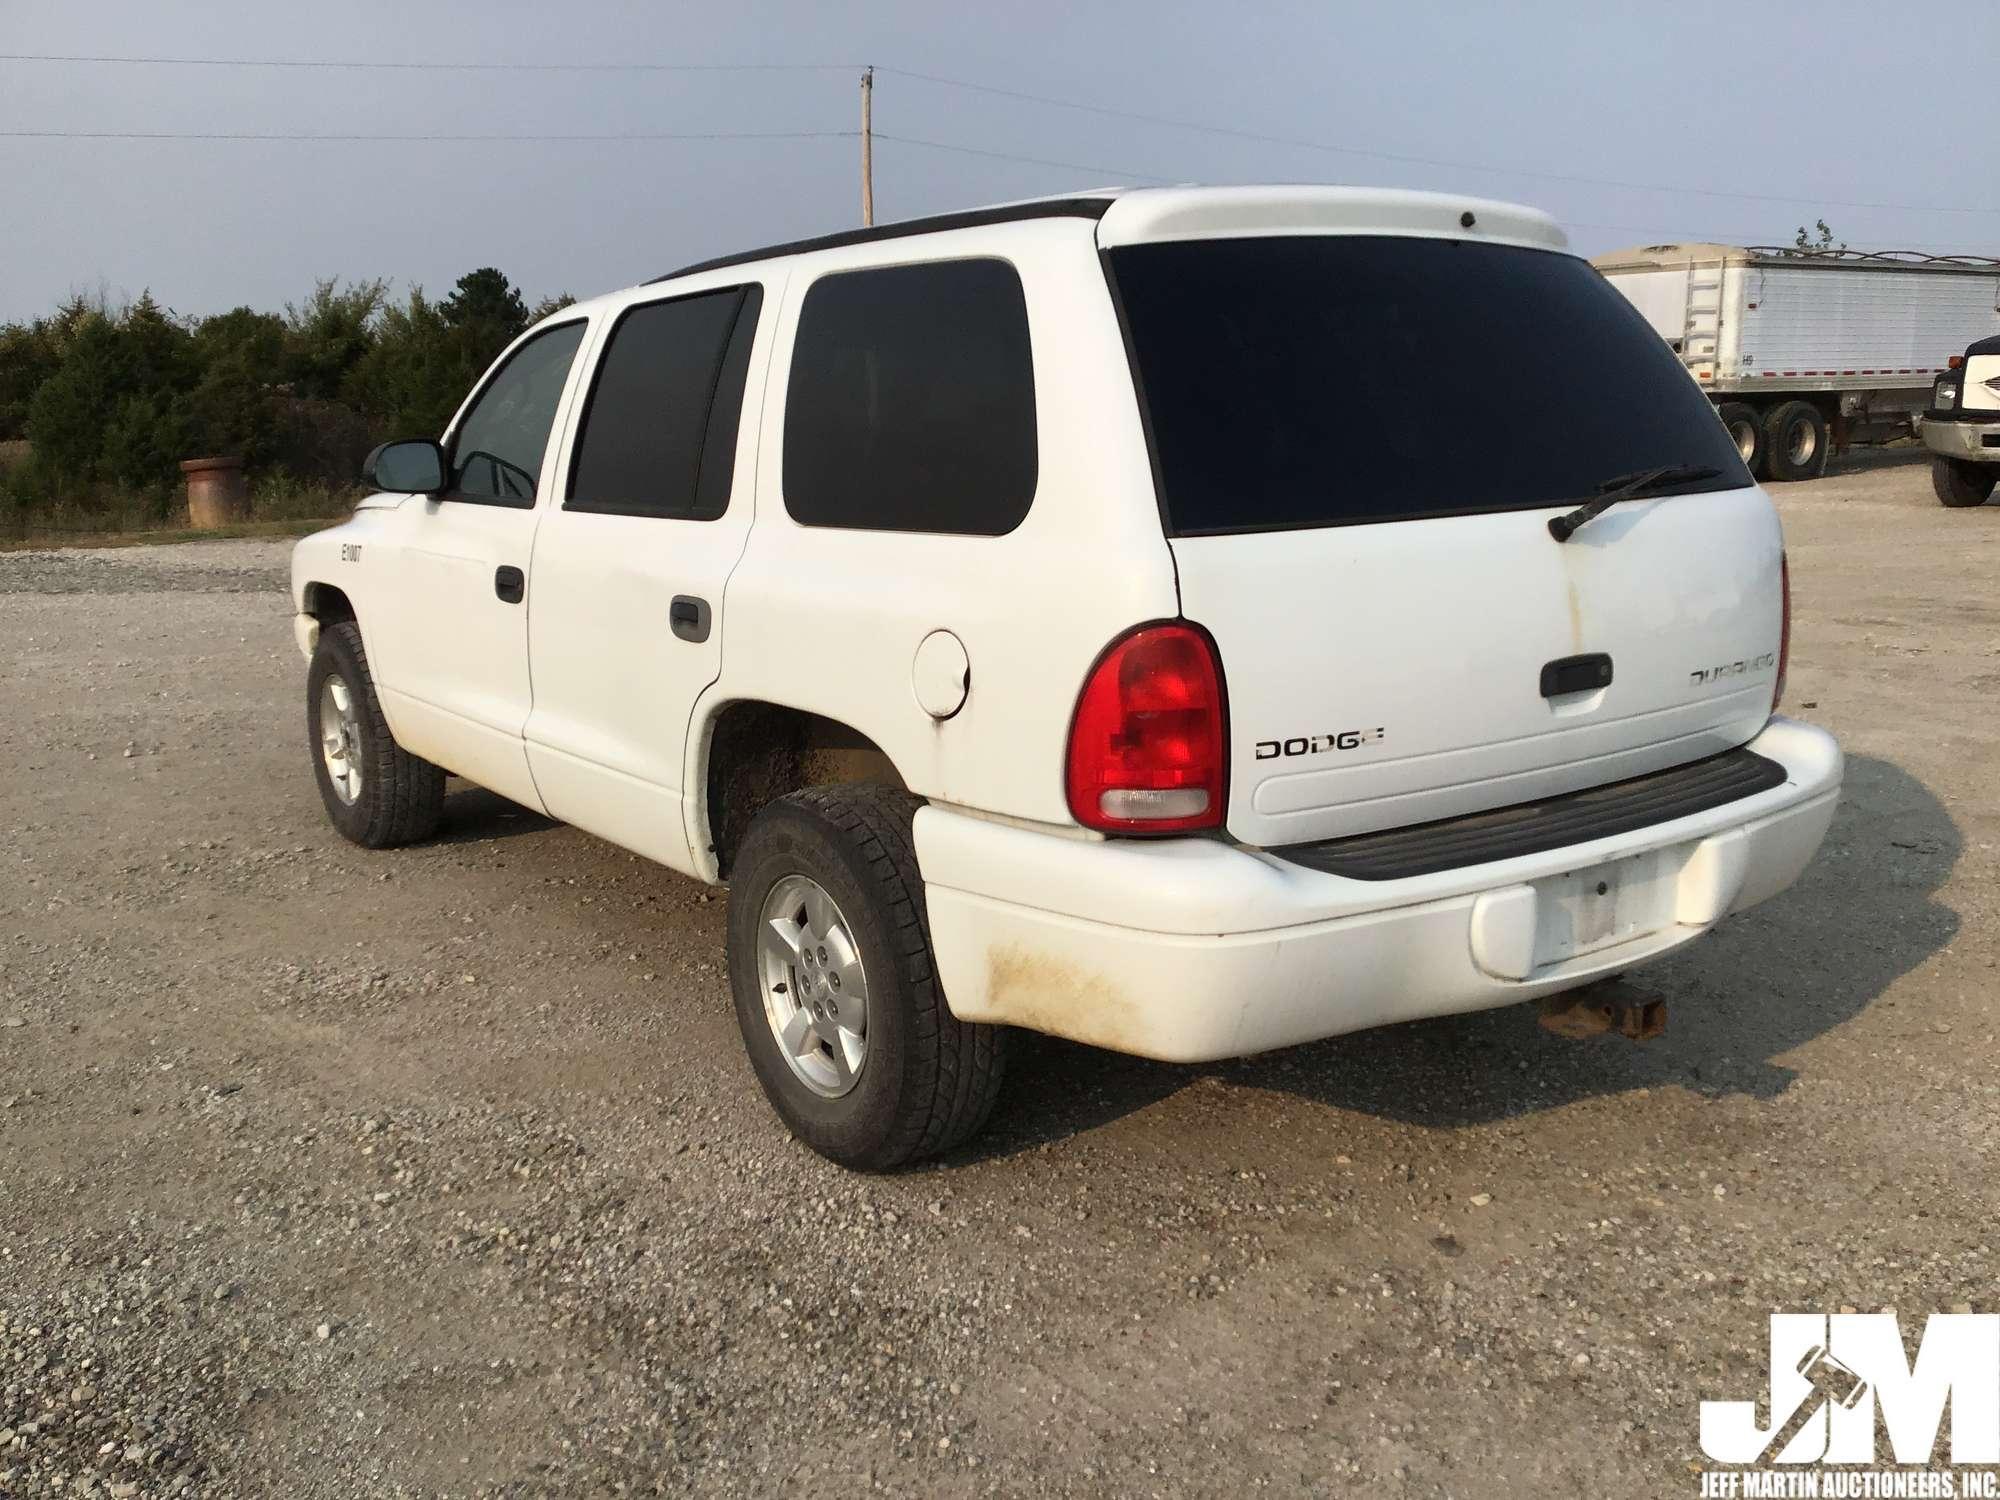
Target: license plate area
x=1585, y=910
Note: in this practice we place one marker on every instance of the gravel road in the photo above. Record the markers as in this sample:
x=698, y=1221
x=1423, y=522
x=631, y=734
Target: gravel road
x=441, y=1172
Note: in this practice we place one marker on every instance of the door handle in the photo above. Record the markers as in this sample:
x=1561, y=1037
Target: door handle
x=1576, y=674
x=689, y=618
x=510, y=584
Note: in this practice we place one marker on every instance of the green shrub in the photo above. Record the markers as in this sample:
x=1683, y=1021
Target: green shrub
x=25, y=484
x=112, y=399
x=73, y=407
x=28, y=356
x=114, y=408
x=330, y=333
x=484, y=299
x=428, y=354
x=232, y=409
x=143, y=445
x=321, y=441
x=281, y=496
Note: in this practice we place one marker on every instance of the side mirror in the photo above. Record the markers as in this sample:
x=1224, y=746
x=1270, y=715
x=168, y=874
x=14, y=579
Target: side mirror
x=412, y=466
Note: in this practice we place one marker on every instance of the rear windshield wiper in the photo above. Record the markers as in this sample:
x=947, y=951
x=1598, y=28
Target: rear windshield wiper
x=1627, y=487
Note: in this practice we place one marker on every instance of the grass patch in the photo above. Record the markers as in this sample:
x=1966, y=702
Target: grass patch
x=31, y=541
x=34, y=517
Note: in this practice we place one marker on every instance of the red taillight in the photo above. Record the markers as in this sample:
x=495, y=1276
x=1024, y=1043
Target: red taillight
x=1148, y=751
x=1784, y=630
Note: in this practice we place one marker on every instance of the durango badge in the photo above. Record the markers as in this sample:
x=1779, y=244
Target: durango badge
x=1722, y=671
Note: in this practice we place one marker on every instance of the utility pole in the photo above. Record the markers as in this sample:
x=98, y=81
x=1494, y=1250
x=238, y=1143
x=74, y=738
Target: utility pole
x=867, y=146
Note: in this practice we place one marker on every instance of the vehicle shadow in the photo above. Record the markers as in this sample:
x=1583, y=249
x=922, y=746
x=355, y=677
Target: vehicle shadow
x=473, y=815
x=1763, y=984
x=1873, y=459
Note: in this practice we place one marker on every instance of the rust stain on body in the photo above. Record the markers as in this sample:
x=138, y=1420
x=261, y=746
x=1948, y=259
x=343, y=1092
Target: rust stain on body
x=1065, y=999
x=1575, y=619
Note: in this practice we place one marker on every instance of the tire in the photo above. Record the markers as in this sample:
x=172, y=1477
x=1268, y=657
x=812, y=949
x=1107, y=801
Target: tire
x=400, y=796
x=1795, y=441
x=1746, y=431
x=922, y=1081
x=1959, y=483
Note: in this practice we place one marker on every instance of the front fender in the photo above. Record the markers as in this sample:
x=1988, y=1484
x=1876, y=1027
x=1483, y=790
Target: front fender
x=338, y=559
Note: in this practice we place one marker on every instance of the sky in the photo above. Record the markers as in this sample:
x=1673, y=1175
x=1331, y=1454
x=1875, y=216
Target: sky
x=1632, y=124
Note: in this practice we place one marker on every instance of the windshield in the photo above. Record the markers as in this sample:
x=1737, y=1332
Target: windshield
x=1328, y=380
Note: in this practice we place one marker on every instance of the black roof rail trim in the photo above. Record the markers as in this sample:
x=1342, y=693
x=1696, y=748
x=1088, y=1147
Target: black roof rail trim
x=1046, y=208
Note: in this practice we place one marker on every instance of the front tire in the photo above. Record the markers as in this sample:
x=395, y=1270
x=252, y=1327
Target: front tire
x=1795, y=441
x=836, y=990
x=1959, y=483
x=376, y=793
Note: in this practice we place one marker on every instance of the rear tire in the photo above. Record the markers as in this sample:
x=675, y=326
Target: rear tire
x=1795, y=441
x=1959, y=483
x=376, y=793
x=1746, y=431
x=897, y=1078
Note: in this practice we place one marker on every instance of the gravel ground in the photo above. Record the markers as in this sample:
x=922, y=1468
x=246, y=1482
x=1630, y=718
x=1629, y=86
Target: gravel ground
x=325, y=1173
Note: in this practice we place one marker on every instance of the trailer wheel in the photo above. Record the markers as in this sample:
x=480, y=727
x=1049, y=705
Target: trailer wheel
x=1746, y=431
x=1795, y=441
x=1959, y=483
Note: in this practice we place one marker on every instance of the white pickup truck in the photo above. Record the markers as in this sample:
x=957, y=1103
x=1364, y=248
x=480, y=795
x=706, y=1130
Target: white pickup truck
x=1188, y=621
x=1962, y=426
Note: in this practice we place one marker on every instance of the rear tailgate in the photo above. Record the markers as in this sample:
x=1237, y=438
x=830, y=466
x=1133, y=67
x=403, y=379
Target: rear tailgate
x=1359, y=439
x=1380, y=676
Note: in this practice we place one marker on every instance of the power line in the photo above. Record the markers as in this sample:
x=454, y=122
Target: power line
x=344, y=136
x=1039, y=161
x=1047, y=100
x=381, y=65
x=640, y=136
x=1397, y=156
x=1104, y=173
x=712, y=135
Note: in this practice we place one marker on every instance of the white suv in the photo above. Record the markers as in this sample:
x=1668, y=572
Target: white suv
x=1189, y=621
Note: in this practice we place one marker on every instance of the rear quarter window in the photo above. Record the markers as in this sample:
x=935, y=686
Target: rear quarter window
x=911, y=404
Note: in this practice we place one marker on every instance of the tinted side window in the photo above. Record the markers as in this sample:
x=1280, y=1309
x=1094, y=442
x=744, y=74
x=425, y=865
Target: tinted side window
x=497, y=453
x=659, y=430
x=912, y=401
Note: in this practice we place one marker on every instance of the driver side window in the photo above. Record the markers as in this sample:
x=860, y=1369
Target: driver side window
x=496, y=455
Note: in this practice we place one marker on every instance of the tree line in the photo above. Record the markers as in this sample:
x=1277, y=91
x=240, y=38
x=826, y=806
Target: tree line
x=110, y=399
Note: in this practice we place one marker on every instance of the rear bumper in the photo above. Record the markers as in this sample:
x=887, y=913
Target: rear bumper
x=1193, y=949
x=1973, y=441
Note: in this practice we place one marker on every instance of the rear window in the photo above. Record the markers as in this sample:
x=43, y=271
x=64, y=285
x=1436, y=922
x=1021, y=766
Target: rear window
x=911, y=405
x=1329, y=380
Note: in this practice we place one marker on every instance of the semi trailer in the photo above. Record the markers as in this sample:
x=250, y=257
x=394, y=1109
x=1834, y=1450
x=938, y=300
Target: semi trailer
x=1805, y=351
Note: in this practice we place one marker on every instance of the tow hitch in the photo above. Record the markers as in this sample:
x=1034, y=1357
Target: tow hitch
x=1606, y=1006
